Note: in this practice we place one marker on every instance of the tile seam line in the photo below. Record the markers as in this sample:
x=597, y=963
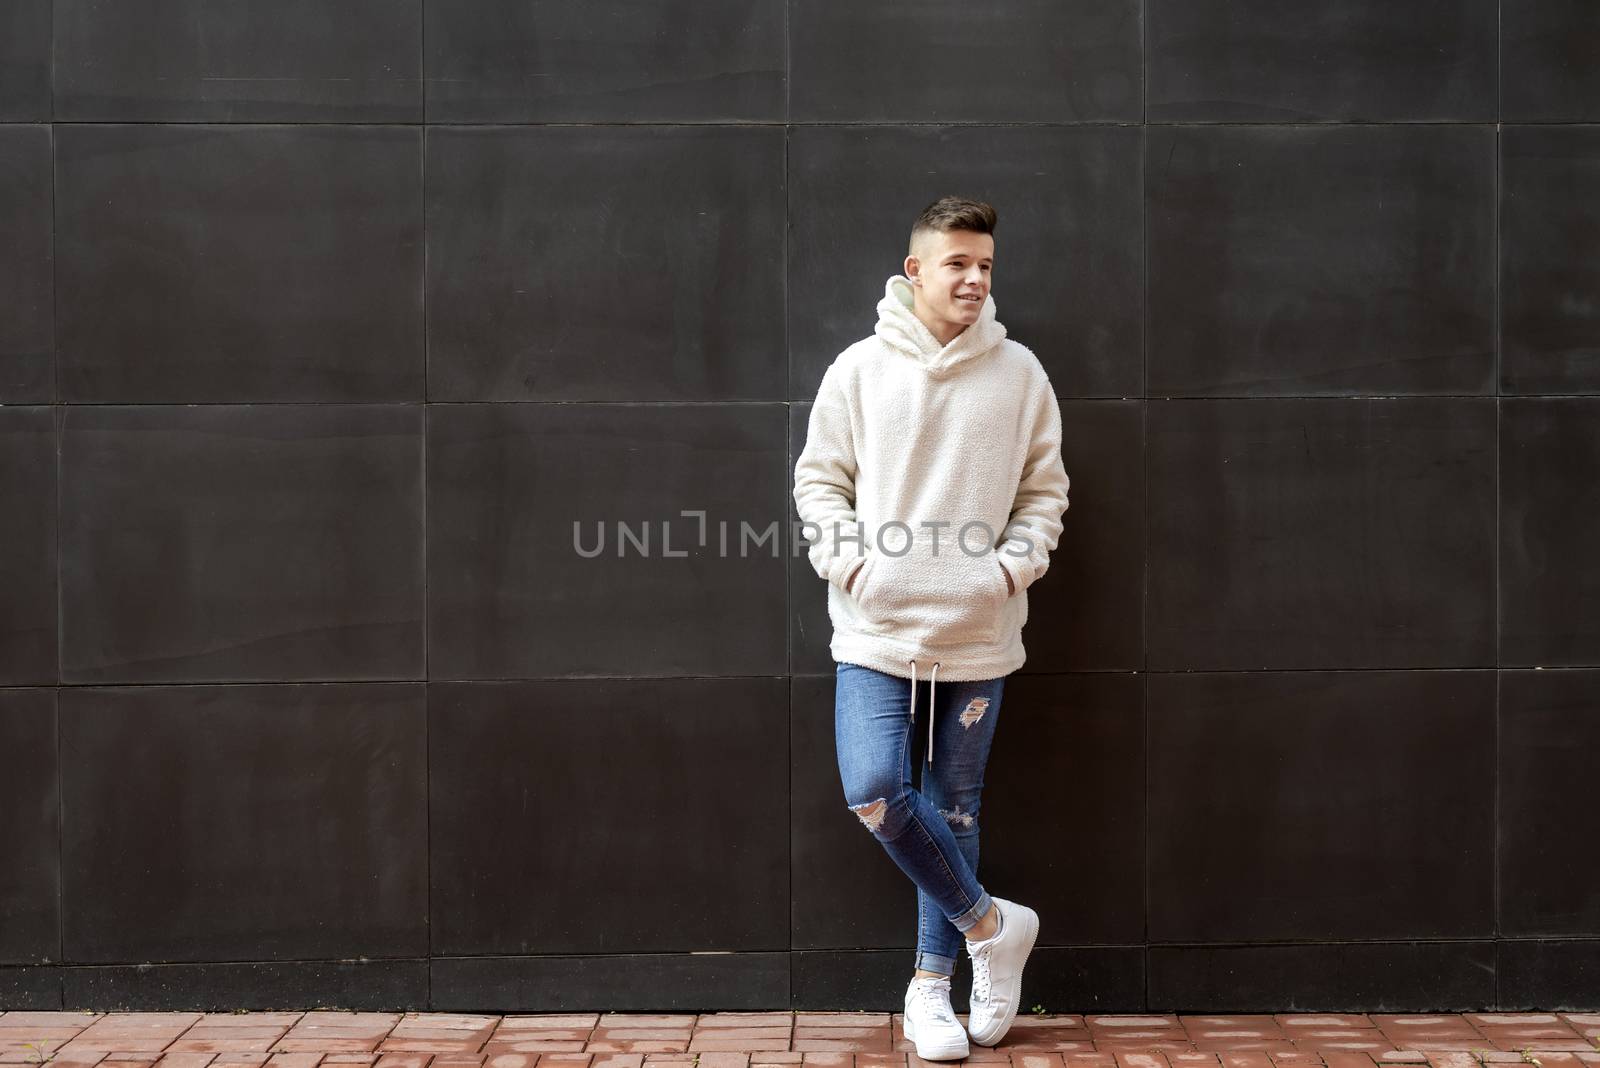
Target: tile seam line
x=648, y=124
x=1068, y=673
x=468, y=681
x=779, y=401
x=427, y=644
x=875, y=950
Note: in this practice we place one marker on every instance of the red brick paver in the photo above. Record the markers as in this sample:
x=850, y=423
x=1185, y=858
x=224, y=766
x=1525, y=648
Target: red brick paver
x=332, y=1039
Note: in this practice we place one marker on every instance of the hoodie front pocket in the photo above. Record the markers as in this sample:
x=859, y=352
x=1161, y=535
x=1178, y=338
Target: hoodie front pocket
x=934, y=596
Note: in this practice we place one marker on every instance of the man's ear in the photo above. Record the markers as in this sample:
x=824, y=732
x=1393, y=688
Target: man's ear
x=911, y=268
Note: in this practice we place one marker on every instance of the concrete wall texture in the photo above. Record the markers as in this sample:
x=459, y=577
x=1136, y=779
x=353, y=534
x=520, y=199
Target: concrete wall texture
x=320, y=325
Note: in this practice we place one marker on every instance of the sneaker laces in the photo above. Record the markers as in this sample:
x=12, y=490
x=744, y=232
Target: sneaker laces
x=980, y=975
x=934, y=996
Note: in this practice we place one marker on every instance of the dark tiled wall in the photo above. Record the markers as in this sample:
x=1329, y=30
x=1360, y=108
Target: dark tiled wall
x=321, y=325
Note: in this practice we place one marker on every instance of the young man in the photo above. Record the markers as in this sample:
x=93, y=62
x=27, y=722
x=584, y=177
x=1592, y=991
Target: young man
x=932, y=476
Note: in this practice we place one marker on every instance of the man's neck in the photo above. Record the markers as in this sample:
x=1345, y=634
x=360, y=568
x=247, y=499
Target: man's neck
x=942, y=330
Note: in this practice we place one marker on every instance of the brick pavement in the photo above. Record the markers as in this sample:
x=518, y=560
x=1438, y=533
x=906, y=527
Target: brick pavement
x=805, y=1039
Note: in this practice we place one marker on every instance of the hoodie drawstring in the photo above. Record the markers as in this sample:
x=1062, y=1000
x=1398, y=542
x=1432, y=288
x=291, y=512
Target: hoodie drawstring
x=933, y=681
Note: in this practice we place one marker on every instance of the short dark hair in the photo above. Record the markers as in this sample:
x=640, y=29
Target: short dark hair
x=953, y=213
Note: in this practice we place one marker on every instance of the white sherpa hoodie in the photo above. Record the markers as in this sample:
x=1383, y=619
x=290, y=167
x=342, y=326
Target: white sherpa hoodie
x=910, y=441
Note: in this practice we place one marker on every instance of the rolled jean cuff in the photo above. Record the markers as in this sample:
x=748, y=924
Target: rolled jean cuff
x=969, y=919
x=933, y=962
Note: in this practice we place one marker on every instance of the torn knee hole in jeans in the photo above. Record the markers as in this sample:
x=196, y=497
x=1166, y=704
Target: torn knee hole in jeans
x=958, y=818
x=974, y=711
x=872, y=813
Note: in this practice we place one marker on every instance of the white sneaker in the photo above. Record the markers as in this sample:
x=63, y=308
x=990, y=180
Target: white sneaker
x=997, y=971
x=931, y=1023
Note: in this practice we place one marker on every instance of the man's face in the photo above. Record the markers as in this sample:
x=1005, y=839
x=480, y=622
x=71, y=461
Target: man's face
x=950, y=273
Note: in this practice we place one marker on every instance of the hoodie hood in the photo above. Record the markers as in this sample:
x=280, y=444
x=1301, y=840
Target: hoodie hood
x=903, y=332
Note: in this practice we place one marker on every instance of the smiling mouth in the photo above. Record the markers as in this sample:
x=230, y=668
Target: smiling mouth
x=969, y=300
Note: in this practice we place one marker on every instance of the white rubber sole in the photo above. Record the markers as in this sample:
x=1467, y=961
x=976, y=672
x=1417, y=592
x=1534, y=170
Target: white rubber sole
x=1001, y=1029
x=948, y=1053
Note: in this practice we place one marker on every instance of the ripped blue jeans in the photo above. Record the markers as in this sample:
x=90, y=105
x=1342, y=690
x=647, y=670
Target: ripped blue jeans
x=931, y=832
